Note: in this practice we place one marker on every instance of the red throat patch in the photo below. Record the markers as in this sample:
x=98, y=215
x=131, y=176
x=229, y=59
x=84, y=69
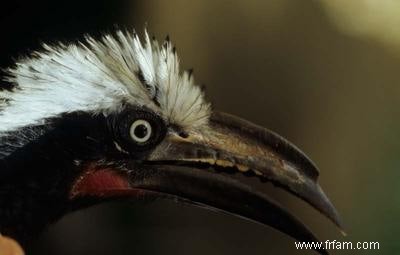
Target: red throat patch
x=101, y=182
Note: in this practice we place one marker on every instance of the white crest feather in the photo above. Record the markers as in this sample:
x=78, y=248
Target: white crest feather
x=99, y=77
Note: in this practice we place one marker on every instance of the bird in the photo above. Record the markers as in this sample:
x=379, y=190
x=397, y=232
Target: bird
x=115, y=117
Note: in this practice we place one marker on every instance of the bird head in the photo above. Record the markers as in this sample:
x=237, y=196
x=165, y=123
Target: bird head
x=116, y=118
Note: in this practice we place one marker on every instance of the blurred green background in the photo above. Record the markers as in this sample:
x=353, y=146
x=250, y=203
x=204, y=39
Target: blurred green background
x=324, y=74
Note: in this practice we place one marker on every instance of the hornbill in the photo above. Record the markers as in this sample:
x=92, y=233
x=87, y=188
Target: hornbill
x=114, y=118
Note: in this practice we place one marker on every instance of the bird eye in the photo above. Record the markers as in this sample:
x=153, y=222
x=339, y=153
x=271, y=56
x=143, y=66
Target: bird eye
x=136, y=130
x=140, y=131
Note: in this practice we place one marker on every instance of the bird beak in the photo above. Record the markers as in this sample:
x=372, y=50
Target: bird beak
x=200, y=169
x=192, y=167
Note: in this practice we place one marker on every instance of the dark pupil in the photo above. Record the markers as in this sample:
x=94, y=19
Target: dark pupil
x=141, y=131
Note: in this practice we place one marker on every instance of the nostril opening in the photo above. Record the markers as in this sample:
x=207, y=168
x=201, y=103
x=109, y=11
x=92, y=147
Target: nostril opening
x=183, y=134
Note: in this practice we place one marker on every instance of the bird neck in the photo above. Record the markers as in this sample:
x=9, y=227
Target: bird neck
x=33, y=197
x=36, y=178
x=27, y=207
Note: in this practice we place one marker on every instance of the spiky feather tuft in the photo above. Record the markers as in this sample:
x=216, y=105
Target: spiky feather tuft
x=100, y=77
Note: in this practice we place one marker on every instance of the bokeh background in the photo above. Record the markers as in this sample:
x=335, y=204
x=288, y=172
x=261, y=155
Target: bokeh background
x=325, y=74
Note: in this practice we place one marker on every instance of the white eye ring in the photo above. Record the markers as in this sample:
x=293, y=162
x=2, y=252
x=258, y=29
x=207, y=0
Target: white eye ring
x=140, y=131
